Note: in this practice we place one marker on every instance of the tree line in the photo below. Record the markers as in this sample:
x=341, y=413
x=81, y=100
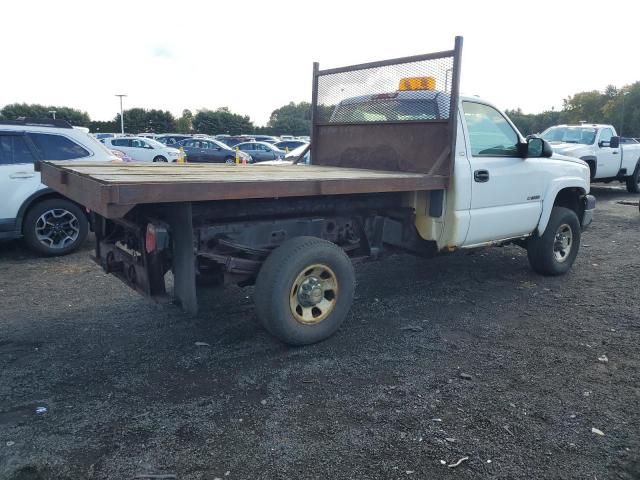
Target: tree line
x=617, y=106
x=292, y=119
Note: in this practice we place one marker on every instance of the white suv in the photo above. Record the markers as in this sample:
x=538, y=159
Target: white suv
x=143, y=149
x=50, y=223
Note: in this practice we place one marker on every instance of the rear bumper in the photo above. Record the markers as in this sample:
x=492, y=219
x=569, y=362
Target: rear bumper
x=589, y=203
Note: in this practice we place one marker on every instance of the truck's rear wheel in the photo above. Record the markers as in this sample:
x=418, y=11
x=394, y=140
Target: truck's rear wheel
x=633, y=181
x=304, y=290
x=554, y=252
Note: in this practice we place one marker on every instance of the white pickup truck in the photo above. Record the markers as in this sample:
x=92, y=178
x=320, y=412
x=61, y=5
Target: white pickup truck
x=399, y=163
x=609, y=157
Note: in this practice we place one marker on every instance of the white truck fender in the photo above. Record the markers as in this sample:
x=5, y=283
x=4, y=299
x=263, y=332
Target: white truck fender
x=552, y=192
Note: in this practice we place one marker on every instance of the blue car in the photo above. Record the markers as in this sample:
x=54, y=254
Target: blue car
x=209, y=150
x=261, y=151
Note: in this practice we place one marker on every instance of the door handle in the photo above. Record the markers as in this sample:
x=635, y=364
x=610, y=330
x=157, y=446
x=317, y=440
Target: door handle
x=22, y=175
x=615, y=152
x=481, y=176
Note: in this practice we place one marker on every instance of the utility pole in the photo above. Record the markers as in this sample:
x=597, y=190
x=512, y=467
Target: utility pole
x=121, y=112
x=53, y=113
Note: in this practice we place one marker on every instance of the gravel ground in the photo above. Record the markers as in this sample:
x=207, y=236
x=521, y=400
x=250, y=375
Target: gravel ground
x=467, y=356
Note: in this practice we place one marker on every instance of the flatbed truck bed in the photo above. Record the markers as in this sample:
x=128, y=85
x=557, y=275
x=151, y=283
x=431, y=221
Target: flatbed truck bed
x=113, y=189
x=382, y=150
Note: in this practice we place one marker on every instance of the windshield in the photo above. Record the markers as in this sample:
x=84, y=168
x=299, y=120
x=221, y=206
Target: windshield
x=386, y=110
x=583, y=135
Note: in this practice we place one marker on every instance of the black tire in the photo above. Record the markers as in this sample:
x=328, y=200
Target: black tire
x=229, y=160
x=546, y=253
x=160, y=159
x=277, y=289
x=633, y=182
x=69, y=233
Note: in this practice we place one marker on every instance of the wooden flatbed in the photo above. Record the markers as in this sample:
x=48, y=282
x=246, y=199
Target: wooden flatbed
x=112, y=189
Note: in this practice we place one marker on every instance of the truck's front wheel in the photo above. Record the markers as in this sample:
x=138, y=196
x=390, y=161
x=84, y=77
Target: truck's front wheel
x=633, y=181
x=304, y=290
x=554, y=252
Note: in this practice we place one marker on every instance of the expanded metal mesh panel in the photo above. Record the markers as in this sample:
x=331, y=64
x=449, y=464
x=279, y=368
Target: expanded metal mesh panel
x=406, y=91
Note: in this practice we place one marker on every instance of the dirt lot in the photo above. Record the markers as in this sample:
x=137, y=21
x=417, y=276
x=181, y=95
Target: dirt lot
x=128, y=392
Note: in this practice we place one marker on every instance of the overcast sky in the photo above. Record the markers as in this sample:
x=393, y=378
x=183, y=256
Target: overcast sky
x=254, y=56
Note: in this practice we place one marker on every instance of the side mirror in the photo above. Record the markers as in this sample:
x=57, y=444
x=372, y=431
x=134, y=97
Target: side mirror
x=218, y=148
x=537, y=147
x=614, y=142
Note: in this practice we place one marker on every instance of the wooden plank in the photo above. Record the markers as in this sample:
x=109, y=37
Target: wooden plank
x=112, y=189
x=202, y=191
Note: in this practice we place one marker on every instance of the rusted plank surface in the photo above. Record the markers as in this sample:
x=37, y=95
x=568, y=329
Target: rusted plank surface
x=112, y=189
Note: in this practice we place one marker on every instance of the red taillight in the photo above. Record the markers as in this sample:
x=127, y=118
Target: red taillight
x=150, y=238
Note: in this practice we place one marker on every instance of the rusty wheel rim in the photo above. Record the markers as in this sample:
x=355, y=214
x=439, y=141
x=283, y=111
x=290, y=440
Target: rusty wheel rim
x=314, y=294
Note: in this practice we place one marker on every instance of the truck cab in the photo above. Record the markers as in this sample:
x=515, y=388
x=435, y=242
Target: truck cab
x=502, y=187
x=599, y=145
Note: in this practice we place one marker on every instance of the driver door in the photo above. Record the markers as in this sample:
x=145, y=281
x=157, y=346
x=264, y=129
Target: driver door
x=506, y=190
x=608, y=158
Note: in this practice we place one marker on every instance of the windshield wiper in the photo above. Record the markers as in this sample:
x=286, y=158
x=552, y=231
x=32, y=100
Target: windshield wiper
x=570, y=141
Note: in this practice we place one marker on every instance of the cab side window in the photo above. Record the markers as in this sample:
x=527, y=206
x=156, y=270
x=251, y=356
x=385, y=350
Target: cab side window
x=605, y=136
x=490, y=135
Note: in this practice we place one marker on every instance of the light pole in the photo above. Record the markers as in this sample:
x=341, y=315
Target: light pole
x=121, y=112
x=624, y=94
x=53, y=113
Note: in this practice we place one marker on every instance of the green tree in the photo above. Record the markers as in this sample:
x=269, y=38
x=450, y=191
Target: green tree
x=71, y=115
x=292, y=119
x=99, y=126
x=184, y=124
x=221, y=121
x=623, y=110
x=584, y=106
x=139, y=120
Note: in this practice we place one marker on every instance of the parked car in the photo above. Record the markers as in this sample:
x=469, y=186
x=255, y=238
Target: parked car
x=261, y=151
x=50, y=223
x=266, y=138
x=210, y=150
x=122, y=156
x=100, y=136
x=290, y=157
x=289, y=144
x=233, y=141
x=143, y=149
x=296, y=152
x=170, y=139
